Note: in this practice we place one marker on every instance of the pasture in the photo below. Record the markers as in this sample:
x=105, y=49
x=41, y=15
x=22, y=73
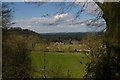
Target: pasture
x=58, y=65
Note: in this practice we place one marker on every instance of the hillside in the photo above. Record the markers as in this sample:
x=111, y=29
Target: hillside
x=19, y=31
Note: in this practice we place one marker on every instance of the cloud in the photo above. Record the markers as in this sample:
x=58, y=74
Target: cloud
x=59, y=16
x=93, y=8
x=55, y=23
x=45, y=21
x=29, y=26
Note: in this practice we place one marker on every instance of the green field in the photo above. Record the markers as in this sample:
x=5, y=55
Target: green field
x=60, y=47
x=58, y=65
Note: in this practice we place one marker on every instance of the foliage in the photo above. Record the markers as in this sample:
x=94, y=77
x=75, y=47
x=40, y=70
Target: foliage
x=97, y=50
x=16, y=63
x=94, y=44
x=16, y=47
x=109, y=64
x=102, y=60
x=66, y=37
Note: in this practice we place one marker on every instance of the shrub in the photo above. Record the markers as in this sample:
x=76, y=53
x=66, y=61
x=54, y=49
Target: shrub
x=16, y=63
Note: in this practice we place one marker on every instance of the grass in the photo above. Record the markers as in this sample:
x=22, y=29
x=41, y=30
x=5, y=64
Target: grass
x=71, y=45
x=75, y=46
x=57, y=48
x=58, y=64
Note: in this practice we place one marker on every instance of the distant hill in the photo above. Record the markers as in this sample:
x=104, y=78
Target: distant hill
x=19, y=31
x=49, y=37
x=58, y=37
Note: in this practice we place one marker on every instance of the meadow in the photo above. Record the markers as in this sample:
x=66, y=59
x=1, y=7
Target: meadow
x=58, y=65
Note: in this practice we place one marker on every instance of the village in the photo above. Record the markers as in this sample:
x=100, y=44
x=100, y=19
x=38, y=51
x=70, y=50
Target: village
x=67, y=46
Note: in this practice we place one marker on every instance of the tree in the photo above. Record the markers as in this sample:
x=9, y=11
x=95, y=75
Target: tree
x=15, y=57
x=111, y=14
x=6, y=15
x=95, y=45
x=15, y=52
x=109, y=64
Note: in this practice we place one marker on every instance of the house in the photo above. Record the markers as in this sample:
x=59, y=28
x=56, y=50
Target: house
x=74, y=42
x=58, y=43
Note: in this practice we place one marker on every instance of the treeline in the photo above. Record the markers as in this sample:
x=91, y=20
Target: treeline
x=19, y=31
x=16, y=46
x=61, y=37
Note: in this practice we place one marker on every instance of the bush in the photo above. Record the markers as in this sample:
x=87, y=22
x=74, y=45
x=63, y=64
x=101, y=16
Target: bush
x=16, y=63
x=97, y=52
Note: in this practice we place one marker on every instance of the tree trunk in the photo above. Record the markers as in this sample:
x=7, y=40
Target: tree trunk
x=111, y=14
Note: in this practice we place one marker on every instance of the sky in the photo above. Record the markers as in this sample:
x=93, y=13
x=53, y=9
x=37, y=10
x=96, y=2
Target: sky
x=48, y=18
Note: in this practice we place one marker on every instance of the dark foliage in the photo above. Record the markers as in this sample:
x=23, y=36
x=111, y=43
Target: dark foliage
x=16, y=50
x=16, y=63
x=63, y=37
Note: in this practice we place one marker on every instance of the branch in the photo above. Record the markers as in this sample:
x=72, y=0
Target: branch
x=99, y=4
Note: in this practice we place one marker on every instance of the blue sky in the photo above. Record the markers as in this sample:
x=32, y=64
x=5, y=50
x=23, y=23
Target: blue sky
x=26, y=10
x=45, y=19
